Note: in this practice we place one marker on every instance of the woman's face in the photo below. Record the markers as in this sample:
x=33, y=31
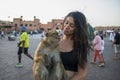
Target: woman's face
x=95, y=33
x=68, y=26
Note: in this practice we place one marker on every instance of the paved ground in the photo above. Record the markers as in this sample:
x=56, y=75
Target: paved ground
x=8, y=60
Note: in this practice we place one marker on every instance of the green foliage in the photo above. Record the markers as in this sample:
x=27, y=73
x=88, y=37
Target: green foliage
x=91, y=32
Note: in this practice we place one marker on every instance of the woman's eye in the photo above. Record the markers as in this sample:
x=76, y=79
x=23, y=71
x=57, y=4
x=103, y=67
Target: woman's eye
x=72, y=26
x=66, y=22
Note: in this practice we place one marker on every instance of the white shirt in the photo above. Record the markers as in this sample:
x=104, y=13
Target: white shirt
x=102, y=44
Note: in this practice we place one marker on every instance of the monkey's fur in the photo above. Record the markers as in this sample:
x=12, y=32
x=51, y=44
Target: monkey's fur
x=47, y=62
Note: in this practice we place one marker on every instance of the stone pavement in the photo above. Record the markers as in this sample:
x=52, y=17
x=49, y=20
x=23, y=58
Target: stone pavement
x=8, y=60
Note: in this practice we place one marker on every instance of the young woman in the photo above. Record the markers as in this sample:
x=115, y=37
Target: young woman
x=73, y=46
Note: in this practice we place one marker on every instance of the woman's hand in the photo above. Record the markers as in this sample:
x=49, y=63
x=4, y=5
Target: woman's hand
x=80, y=75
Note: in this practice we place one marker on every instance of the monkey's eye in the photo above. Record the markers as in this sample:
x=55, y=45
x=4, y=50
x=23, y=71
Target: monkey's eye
x=56, y=34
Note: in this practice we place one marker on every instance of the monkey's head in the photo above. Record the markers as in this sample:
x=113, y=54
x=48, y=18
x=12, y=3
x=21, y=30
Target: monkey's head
x=53, y=38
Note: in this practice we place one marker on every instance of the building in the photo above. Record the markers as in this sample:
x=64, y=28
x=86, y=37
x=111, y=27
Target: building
x=102, y=28
x=56, y=23
x=31, y=25
x=36, y=24
x=5, y=26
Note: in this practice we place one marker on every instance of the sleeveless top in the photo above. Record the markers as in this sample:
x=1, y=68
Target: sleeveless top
x=69, y=60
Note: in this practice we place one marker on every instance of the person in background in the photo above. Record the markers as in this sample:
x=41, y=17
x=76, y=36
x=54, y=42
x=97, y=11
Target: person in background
x=31, y=33
x=102, y=44
x=97, y=49
x=23, y=46
x=117, y=45
x=112, y=35
x=2, y=34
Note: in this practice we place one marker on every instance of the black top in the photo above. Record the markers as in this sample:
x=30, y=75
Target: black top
x=69, y=60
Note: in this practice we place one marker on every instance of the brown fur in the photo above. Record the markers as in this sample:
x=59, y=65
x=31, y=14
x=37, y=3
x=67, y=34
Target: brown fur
x=47, y=62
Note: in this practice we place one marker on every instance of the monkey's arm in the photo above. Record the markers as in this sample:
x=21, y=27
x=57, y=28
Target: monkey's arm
x=37, y=57
x=59, y=70
x=35, y=72
x=37, y=54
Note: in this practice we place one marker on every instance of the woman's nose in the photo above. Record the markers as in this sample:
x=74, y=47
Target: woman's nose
x=67, y=26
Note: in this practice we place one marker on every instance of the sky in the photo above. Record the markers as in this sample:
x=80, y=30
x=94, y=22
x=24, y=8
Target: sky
x=97, y=12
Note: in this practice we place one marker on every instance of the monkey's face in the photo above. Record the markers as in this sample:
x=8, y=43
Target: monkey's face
x=53, y=37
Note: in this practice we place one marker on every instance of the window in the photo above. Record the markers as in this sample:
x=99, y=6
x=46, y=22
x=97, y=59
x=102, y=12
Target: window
x=21, y=25
x=58, y=24
x=30, y=25
x=26, y=25
x=15, y=25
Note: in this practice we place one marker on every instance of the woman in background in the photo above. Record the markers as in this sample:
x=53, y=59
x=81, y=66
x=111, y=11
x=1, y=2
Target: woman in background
x=97, y=49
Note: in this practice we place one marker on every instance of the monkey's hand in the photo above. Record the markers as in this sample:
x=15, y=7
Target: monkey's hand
x=60, y=73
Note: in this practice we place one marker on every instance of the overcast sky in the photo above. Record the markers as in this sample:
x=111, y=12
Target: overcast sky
x=97, y=12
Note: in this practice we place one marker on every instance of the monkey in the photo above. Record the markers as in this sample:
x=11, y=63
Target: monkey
x=47, y=62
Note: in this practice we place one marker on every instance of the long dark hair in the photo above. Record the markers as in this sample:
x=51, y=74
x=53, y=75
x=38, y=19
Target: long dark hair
x=80, y=37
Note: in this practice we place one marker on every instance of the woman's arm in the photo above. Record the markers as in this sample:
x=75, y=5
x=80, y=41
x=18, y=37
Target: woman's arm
x=80, y=75
x=95, y=41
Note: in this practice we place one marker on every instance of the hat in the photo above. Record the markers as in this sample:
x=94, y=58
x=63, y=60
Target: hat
x=23, y=28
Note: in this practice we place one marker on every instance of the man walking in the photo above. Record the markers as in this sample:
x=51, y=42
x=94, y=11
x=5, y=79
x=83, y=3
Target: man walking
x=23, y=46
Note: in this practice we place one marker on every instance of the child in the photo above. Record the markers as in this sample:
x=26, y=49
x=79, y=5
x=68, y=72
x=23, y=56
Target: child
x=102, y=44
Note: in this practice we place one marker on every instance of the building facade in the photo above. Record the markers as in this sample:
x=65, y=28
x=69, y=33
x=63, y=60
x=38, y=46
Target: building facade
x=35, y=24
x=31, y=25
x=102, y=28
x=5, y=26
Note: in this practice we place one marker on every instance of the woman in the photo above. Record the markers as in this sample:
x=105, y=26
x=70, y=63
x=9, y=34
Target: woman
x=73, y=46
x=97, y=49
